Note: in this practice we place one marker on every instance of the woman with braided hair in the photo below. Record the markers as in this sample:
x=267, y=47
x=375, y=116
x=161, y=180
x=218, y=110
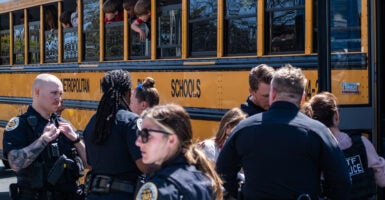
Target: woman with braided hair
x=110, y=138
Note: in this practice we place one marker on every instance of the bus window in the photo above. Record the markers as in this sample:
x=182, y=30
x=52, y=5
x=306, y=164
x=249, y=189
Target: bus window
x=169, y=29
x=70, y=35
x=4, y=39
x=18, y=37
x=114, y=40
x=70, y=44
x=285, y=26
x=345, y=23
x=91, y=9
x=203, y=27
x=241, y=27
x=51, y=33
x=34, y=35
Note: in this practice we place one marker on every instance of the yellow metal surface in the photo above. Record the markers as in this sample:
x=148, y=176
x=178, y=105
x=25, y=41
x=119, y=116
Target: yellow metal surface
x=350, y=86
x=78, y=117
x=220, y=90
x=204, y=129
x=309, y=26
x=11, y=5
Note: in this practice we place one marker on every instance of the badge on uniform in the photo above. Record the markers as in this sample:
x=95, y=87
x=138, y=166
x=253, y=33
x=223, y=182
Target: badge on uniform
x=12, y=124
x=148, y=191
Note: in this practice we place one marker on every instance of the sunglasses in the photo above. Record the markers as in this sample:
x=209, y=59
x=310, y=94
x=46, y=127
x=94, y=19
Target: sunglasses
x=145, y=133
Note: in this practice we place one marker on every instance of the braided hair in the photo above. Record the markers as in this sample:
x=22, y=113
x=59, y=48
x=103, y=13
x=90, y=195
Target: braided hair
x=115, y=85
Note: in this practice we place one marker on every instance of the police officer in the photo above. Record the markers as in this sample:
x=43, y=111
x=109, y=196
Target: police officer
x=259, y=86
x=282, y=151
x=182, y=170
x=110, y=138
x=42, y=147
x=366, y=167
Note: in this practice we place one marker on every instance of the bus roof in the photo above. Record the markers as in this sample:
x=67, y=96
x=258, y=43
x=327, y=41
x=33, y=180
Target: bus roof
x=11, y=5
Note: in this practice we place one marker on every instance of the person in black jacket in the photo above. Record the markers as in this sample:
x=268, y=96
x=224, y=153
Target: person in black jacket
x=366, y=167
x=259, y=83
x=110, y=138
x=182, y=170
x=38, y=143
x=282, y=151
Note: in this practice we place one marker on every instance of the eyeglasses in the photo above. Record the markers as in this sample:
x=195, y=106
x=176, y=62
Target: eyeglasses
x=144, y=133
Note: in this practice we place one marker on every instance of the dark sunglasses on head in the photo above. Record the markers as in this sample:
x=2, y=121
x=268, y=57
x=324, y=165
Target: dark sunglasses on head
x=144, y=133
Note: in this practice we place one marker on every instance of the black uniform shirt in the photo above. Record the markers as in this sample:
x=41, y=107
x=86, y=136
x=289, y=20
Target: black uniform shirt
x=283, y=153
x=117, y=156
x=250, y=108
x=177, y=180
x=20, y=133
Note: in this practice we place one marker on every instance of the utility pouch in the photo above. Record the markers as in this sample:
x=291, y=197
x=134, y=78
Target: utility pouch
x=78, y=161
x=14, y=191
x=57, y=170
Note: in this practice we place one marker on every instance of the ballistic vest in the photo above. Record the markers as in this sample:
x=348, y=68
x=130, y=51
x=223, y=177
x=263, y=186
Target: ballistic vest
x=363, y=183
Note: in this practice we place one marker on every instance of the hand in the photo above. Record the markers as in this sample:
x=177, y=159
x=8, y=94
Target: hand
x=67, y=130
x=50, y=133
x=142, y=35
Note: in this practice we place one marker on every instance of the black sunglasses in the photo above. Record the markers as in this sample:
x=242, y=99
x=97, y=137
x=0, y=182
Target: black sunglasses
x=144, y=133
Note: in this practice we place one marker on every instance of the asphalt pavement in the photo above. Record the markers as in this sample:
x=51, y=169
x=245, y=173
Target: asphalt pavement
x=7, y=177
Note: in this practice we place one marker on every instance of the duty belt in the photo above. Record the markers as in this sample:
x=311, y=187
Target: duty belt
x=106, y=184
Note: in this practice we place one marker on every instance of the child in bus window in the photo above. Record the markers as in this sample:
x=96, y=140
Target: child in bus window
x=65, y=19
x=50, y=16
x=129, y=6
x=112, y=13
x=142, y=11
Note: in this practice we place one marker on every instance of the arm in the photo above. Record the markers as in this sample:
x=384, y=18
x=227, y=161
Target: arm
x=228, y=172
x=67, y=130
x=22, y=158
x=375, y=162
x=135, y=27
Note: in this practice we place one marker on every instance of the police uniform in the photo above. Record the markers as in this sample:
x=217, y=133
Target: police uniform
x=251, y=108
x=33, y=181
x=282, y=153
x=176, y=180
x=114, y=172
x=363, y=182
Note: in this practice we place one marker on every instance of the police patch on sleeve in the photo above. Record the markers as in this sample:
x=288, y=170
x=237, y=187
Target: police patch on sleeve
x=148, y=191
x=139, y=123
x=12, y=124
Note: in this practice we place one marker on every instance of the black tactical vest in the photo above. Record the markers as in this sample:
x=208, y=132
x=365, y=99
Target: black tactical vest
x=363, y=183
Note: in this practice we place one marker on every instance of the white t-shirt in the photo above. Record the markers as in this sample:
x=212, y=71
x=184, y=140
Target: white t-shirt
x=211, y=149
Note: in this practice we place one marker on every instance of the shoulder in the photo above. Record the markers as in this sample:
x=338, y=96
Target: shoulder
x=16, y=123
x=12, y=124
x=208, y=143
x=125, y=116
x=182, y=180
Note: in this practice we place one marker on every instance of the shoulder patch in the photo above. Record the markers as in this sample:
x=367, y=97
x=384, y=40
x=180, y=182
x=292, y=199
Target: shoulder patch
x=12, y=124
x=148, y=191
x=139, y=123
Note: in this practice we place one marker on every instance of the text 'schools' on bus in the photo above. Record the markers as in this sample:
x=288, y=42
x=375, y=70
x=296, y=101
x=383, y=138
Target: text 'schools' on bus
x=199, y=52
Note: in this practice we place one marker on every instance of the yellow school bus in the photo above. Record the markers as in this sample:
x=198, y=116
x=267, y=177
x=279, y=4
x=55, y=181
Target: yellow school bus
x=199, y=52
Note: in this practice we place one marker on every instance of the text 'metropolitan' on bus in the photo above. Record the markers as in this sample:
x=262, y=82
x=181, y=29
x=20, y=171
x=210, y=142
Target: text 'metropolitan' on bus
x=199, y=52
